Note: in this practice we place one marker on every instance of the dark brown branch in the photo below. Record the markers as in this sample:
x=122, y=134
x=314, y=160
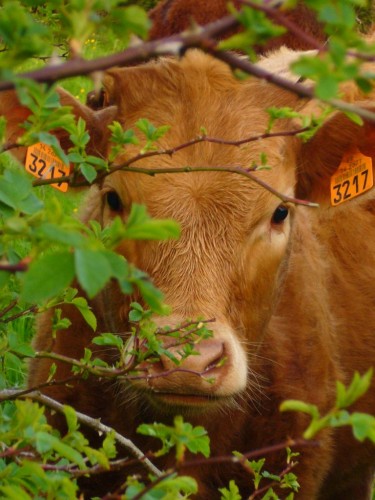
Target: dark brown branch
x=250, y=173
x=14, y=268
x=235, y=170
x=21, y=393
x=29, y=310
x=136, y=54
x=96, y=469
x=237, y=62
x=214, y=140
x=261, y=452
x=8, y=308
x=279, y=18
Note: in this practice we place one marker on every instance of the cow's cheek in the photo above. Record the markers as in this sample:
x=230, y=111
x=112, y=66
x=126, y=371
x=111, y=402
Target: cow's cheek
x=258, y=283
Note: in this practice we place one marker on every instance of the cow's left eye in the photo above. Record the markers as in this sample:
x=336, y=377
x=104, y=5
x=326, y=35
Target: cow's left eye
x=280, y=214
x=114, y=201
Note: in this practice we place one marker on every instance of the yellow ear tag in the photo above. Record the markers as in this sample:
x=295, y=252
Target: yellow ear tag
x=353, y=177
x=42, y=162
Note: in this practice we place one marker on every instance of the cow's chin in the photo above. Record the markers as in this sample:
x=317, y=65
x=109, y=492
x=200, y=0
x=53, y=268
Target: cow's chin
x=188, y=403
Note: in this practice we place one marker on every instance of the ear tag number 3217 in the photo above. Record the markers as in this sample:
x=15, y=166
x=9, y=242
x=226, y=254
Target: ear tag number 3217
x=353, y=177
x=42, y=162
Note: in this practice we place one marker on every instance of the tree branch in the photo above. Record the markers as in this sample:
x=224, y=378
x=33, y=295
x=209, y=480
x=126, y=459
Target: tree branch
x=166, y=46
x=89, y=422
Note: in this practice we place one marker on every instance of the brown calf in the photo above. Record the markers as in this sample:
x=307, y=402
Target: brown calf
x=291, y=288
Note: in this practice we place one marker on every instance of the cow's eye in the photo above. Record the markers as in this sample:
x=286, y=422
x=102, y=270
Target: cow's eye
x=114, y=201
x=280, y=214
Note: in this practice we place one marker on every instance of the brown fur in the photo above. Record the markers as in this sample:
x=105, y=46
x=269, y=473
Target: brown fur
x=173, y=16
x=294, y=302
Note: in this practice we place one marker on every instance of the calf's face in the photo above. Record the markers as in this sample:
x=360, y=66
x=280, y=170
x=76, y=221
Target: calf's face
x=234, y=233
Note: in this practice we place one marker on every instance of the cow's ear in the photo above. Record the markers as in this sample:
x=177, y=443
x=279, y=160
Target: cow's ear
x=320, y=158
x=96, y=122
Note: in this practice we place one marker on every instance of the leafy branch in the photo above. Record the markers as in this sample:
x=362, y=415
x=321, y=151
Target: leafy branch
x=89, y=422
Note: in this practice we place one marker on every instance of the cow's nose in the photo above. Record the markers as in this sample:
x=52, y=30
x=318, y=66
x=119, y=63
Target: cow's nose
x=206, y=356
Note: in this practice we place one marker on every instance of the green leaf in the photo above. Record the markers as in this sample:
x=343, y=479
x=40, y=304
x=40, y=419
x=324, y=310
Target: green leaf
x=233, y=493
x=326, y=87
x=71, y=418
x=88, y=171
x=48, y=276
x=109, y=339
x=363, y=426
x=354, y=118
x=93, y=270
x=141, y=226
x=135, y=316
x=83, y=307
x=15, y=192
x=358, y=386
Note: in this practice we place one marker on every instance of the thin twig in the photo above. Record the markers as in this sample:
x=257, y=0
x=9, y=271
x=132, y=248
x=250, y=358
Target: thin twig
x=8, y=308
x=19, y=393
x=29, y=310
x=14, y=268
x=268, y=450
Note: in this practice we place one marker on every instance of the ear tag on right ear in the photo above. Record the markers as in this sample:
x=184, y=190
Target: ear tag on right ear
x=43, y=163
x=353, y=177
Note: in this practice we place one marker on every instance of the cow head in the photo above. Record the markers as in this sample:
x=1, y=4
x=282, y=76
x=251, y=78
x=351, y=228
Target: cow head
x=231, y=257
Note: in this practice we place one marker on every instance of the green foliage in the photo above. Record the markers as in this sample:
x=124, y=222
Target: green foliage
x=26, y=436
x=258, y=30
x=182, y=436
x=172, y=488
x=363, y=425
x=232, y=493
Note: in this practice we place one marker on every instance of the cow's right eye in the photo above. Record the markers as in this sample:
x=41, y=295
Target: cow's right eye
x=114, y=201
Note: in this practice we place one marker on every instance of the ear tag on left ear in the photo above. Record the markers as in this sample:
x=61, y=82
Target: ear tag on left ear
x=353, y=177
x=43, y=163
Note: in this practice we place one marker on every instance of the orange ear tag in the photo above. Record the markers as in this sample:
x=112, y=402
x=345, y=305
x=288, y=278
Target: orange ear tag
x=353, y=177
x=42, y=162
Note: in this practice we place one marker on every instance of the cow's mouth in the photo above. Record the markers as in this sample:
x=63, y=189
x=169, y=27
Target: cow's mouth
x=187, y=401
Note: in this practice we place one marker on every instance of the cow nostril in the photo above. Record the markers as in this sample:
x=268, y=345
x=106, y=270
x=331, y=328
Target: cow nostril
x=210, y=354
x=217, y=363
